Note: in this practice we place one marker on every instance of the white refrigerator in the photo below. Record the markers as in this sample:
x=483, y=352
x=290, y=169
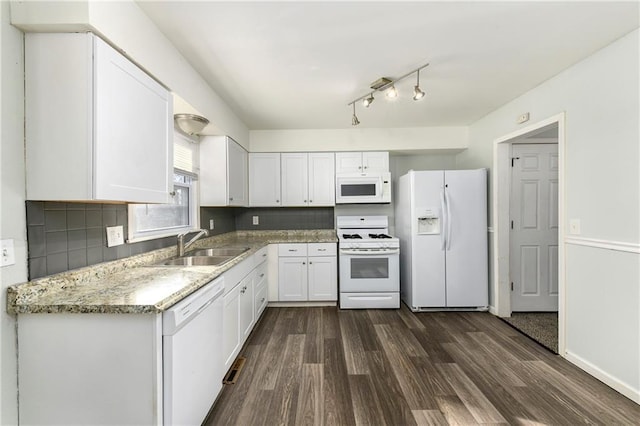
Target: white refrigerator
x=441, y=220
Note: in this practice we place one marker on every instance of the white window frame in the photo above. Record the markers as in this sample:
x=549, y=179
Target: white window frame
x=134, y=235
x=184, y=164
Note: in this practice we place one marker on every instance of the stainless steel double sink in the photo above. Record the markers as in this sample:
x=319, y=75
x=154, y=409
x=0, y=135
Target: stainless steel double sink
x=205, y=257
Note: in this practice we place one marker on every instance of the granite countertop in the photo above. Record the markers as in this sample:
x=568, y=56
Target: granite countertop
x=131, y=285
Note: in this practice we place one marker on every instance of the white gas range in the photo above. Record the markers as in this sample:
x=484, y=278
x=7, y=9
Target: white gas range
x=369, y=263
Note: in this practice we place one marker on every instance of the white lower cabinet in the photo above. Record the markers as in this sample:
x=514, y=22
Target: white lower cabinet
x=231, y=323
x=307, y=272
x=243, y=282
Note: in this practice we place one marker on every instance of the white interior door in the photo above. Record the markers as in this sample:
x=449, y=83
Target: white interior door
x=534, y=228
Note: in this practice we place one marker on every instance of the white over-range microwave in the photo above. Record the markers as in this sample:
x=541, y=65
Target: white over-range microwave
x=363, y=188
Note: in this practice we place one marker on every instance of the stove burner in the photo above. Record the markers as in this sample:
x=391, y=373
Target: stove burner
x=351, y=236
x=375, y=236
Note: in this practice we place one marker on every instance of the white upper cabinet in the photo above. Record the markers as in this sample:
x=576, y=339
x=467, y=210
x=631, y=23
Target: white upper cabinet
x=322, y=187
x=223, y=172
x=97, y=126
x=264, y=179
x=295, y=179
x=308, y=179
x=362, y=162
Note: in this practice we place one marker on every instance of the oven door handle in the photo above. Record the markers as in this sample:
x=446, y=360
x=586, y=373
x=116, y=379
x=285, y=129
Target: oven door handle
x=369, y=252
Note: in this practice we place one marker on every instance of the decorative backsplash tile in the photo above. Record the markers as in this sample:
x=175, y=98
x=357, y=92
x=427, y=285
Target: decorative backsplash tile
x=64, y=236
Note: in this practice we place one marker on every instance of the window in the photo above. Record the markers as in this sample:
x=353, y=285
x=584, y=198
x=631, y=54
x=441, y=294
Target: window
x=148, y=221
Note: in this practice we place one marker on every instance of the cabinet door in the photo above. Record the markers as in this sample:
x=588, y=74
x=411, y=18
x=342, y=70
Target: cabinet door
x=323, y=278
x=322, y=187
x=133, y=131
x=295, y=189
x=264, y=179
x=375, y=162
x=246, y=307
x=348, y=162
x=231, y=326
x=237, y=179
x=292, y=278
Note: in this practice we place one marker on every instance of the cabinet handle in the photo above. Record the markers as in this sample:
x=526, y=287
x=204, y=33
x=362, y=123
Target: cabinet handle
x=304, y=201
x=303, y=263
x=264, y=255
x=310, y=263
x=261, y=275
x=359, y=167
x=172, y=193
x=366, y=167
x=277, y=201
x=311, y=201
x=293, y=249
x=322, y=249
x=262, y=300
x=230, y=198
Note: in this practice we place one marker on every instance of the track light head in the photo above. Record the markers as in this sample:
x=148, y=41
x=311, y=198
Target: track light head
x=368, y=101
x=392, y=92
x=417, y=93
x=354, y=119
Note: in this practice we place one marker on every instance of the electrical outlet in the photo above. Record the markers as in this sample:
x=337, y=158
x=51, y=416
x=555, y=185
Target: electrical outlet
x=256, y=220
x=522, y=118
x=7, y=253
x=115, y=236
x=211, y=224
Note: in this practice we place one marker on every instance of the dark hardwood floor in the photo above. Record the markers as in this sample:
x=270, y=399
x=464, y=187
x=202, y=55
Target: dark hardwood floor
x=376, y=367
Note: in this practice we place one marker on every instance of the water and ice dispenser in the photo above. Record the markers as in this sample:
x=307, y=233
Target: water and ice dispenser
x=428, y=221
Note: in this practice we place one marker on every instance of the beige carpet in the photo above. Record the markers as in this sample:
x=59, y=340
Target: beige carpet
x=540, y=326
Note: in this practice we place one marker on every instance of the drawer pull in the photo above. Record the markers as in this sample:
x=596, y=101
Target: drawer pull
x=293, y=249
x=322, y=249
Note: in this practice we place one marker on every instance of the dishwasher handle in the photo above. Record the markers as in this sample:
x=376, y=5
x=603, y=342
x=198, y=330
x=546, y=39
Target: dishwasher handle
x=174, y=318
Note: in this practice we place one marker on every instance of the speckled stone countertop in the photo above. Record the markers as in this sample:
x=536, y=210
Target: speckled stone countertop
x=132, y=286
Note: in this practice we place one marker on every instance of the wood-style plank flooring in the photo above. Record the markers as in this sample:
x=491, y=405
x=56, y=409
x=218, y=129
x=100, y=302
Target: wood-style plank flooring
x=376, y=367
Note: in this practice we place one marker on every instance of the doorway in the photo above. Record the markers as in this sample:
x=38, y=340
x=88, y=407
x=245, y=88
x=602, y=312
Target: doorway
x=540, y=286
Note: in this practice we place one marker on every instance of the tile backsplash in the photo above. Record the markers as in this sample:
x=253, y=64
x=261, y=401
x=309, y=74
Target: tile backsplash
x=63, y=236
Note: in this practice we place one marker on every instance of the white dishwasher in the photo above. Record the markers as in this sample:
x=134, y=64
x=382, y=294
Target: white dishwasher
x=192, y=355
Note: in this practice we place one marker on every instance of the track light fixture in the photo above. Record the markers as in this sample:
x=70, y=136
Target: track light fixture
x=354, y=119
x=388, y=85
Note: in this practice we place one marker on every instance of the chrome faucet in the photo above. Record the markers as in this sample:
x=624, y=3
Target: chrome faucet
x=182, y=246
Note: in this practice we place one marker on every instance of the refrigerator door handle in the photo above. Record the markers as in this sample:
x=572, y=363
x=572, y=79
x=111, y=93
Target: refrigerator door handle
x=448, y=204
x=443, y=235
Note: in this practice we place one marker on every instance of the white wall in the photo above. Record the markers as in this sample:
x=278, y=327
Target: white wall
x=600, y=98
x=12, y=198
x=129, y=29
x=359, y=139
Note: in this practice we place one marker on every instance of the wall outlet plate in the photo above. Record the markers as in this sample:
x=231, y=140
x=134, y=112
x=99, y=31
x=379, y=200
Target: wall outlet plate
x=7, y=253
x=115, y=236
x=256, y=220
x=211, y=224
x=574, y=226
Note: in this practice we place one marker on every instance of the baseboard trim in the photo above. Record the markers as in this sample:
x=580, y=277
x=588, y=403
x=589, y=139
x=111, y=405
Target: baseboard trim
x=493, y=310
x=623, y=388
x=604, y=244
x=299, y=304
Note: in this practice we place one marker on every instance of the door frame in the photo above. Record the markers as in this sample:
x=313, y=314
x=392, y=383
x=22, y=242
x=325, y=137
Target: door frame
x=501, y=194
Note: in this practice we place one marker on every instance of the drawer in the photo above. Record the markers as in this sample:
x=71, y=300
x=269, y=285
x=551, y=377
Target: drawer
x=260, y=256
x=322, y=249
x=261, y=272
x=260, y=301
x=292, y=250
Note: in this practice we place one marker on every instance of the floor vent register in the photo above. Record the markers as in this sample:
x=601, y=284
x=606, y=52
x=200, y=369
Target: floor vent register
x=234, y=372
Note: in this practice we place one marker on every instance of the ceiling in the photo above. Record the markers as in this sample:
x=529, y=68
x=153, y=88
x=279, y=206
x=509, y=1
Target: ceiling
x=296, y=65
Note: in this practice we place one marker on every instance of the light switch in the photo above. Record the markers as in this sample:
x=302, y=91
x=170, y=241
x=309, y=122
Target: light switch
x=7, y=253
x=115, y=236
x=574, y=226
